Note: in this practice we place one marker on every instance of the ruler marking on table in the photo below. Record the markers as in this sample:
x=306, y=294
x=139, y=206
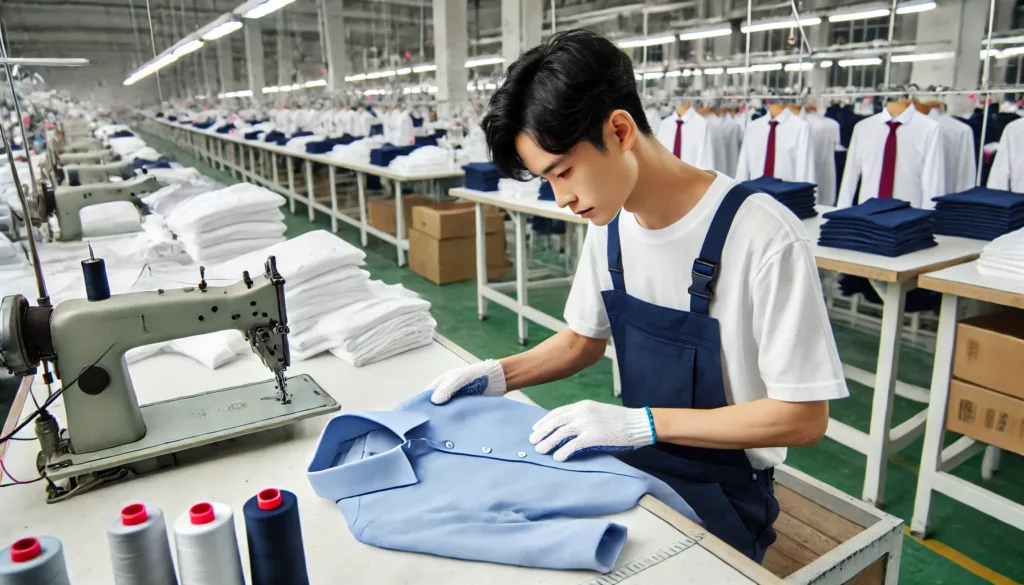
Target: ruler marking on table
x=638, y=565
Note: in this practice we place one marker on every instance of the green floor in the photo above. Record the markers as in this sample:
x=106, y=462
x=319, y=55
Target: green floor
x=992, y=550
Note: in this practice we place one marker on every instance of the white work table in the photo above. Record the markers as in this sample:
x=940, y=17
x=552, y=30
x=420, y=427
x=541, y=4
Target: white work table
x=239, y=470
x=955, y=283
x=210, y=145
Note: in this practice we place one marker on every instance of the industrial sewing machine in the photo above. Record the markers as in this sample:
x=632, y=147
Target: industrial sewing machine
x=75, y=175
x=65, y=203
x=85, y=340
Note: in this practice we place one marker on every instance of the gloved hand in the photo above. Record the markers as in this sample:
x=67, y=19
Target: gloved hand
x=485, y=378
x=589, y=426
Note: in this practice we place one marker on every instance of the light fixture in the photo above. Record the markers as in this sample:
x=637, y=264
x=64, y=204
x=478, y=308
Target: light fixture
x=490, y=86
x=825, y=64
x=653, y=41
x=404, y=71
x=991, y=53
x=222, y=29
x=271, y=89
x=799, y=66
x=916, y=7
x=864, y=14
x=285, y=88
x=432, y=89
x=689, y=72
x=705, y=34
x=424, y=68
x=675, y=73
x=482, y=62
x=860, y=62
x=315, y=83
x=193, y=45
x=379, y=74
x=654, y=75
x=923, y=57
x=244, y=93
x=732, y=70
x=714, y=71
x=763, y=26
x=696, y=73
x=360, y=77
x=296, y=86
x=1010, y=52
x=267, y=7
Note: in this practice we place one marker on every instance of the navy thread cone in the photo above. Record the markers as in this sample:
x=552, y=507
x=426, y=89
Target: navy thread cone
x=274, y=534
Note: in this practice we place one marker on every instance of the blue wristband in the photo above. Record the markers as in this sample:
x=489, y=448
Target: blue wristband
x=650, y=420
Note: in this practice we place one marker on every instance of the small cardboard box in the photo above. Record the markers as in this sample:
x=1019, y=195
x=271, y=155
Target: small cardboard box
x=382, y=212
x=989, y=351
x=990, y=417
x=453, y=259
x=444, y=221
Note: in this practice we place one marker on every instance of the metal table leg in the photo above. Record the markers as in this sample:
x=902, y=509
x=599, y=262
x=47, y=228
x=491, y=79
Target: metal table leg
x=273, y=170
x=291, y=183
x=399, y=223
x=252, y=164
x=481, y=262
x=361, y=188
x=309, y=191
x=331, y=176
x=522, y=274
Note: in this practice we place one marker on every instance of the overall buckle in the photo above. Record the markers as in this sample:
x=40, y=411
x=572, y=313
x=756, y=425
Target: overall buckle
x=703, y=284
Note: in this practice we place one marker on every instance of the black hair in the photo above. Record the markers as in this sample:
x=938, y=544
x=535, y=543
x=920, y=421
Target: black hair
x=560, y=93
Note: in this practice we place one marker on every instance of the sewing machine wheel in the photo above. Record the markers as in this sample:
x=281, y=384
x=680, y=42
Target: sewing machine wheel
x=24, y=334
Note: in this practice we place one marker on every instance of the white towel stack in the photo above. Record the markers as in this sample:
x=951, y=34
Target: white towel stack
x=519, y=190
x=225, y=223
x=425, y=159
x=1003, y=257
x=393, y=321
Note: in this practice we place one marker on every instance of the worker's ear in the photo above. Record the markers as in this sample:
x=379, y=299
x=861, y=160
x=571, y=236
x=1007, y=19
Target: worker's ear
x=620, y=130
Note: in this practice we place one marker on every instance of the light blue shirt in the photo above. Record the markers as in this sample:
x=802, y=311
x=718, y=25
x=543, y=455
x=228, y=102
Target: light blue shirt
x=461, y=480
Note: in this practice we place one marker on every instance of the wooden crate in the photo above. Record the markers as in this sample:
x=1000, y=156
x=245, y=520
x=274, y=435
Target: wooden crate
x=826, y=537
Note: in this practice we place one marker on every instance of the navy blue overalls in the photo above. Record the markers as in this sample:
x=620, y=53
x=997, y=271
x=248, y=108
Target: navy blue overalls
x=669, y=358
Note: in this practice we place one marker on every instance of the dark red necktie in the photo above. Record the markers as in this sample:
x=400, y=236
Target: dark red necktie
x=769, y=157
x=885, y=185
x=677, y=147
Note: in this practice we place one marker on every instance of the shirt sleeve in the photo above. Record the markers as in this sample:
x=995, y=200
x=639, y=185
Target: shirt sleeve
x=933, y=176
x=999, y=176
x=797, y=354
x=805, y=157
x=851, y=173
x=584, y=310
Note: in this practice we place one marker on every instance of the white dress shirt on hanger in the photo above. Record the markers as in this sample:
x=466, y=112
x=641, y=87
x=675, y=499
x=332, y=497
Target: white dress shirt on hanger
x=824, y=140
x=920, y=172
x=1008, y=167
x=957, y=152
x=793, y=153
x=697, y=146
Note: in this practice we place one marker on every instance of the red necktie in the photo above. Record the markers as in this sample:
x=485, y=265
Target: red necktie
x=769, y=157
x=677, y=148
x=888, y=163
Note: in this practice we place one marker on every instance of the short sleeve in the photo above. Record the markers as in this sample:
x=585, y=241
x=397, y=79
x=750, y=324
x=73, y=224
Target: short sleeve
x=584, y=310
x=797, y=354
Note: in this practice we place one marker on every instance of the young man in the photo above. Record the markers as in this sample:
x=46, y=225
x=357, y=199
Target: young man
x=709, y=291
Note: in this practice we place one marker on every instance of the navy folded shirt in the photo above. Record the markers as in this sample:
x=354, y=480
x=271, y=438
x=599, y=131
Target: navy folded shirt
x=886, y=227
x=979, y=213
x=798, y=197
x=482, y=176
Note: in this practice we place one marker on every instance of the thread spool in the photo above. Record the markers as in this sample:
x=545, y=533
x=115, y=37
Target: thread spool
x=204, y=537
x=94, y=271
x=139, y=548
x=274, y=534
x=34, y=561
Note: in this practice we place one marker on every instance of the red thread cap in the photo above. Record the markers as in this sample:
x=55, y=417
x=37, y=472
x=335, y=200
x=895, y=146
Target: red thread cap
x=269, y=499
x=201, y=513
x=134, y=514
x=25, y=550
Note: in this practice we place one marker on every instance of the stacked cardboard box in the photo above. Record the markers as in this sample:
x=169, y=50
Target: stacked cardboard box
x=986, y=395
x=442, y=242
x=382, y=212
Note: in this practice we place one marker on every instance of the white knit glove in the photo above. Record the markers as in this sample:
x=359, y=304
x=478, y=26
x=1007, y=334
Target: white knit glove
x=590, y=426
x=485, y=378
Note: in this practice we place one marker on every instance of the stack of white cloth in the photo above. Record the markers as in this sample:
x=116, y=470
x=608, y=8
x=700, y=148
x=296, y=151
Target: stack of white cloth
x=423, y=160
x=357, y=152
x=225, y=223
x=1003, y=257
x=177, y=174
x=299, y=144
x=145, y=153
x=164, y=200
x=126, y=145
x=519, y=190
x=393, y=321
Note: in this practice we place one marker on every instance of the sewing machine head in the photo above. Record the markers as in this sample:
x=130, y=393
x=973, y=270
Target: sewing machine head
x=92, y=156
x=86, y=340
x=65, y=203
x=85, y=174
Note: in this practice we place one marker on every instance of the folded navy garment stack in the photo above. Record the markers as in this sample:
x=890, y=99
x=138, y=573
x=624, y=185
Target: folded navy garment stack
x=225, y=129
x=979, y=213
x=798, y=197
x=383, y=156
x=888, y=227
x=482, y=176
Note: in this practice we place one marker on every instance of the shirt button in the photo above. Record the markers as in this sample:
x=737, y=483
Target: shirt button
x=486, y=450
x=753, y=477
x=449, y=445
x=521, y=454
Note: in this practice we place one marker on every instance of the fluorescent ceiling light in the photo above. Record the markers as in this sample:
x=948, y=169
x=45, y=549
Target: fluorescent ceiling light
x=267, y=7
x=654, y=75
x=285, y=88
x=674, y=74
x=222, y=30
x=1005, y=40
x=637, y=76
x=825, y=64
x=646, y=42
x=483, y=61
x=799, y=66
x=271, y=89
x=296, y=86
x=315, y=83
x=696, y=73
x=244, y=93
x=763, y=26
x=432, y=89
x=860, y=62
x=705, y=34
x=360, y=77
x=404, y=71
x=864, y=14
x=1012, y=51
x=732, y=70
x=688, y=72
x=379, y=74
x=714, y=71
x=922, y=57
x=991, y=53
x=187, y=48
x=753, y=68
x=912, y=8
x=424, y=68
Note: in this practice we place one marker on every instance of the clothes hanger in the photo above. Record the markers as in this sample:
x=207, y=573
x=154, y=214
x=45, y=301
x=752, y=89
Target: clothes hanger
x=896, y=108
x=682, y=108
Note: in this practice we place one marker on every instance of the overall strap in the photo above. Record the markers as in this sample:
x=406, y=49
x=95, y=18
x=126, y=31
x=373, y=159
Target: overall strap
x=705, y=267
x=615, y=256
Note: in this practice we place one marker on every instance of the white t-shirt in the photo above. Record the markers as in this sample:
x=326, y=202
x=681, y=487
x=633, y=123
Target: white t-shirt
x=776, y=338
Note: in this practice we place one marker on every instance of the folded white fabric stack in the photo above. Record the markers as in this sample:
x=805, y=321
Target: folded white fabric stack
x=358, y=151
x=145, y=153
x=1003, y=257
x=225, y=223
x=518, y=190
x=106, y=219
x=423, y=160
x=164, y=200
x=126, y=145
x=177, y=174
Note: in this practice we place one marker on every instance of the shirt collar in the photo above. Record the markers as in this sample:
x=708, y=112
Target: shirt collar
x=335, y=481
x=783, y=116
x=905, y=118
x=690, y=114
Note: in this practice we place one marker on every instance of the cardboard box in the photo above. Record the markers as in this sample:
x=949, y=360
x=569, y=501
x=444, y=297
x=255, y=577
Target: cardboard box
x=454, y=259
x=443, y=221
x=990, y=417
x=989, y=351
x=382, y=212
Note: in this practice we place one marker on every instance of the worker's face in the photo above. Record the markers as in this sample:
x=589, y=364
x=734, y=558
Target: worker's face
x=591, y=183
